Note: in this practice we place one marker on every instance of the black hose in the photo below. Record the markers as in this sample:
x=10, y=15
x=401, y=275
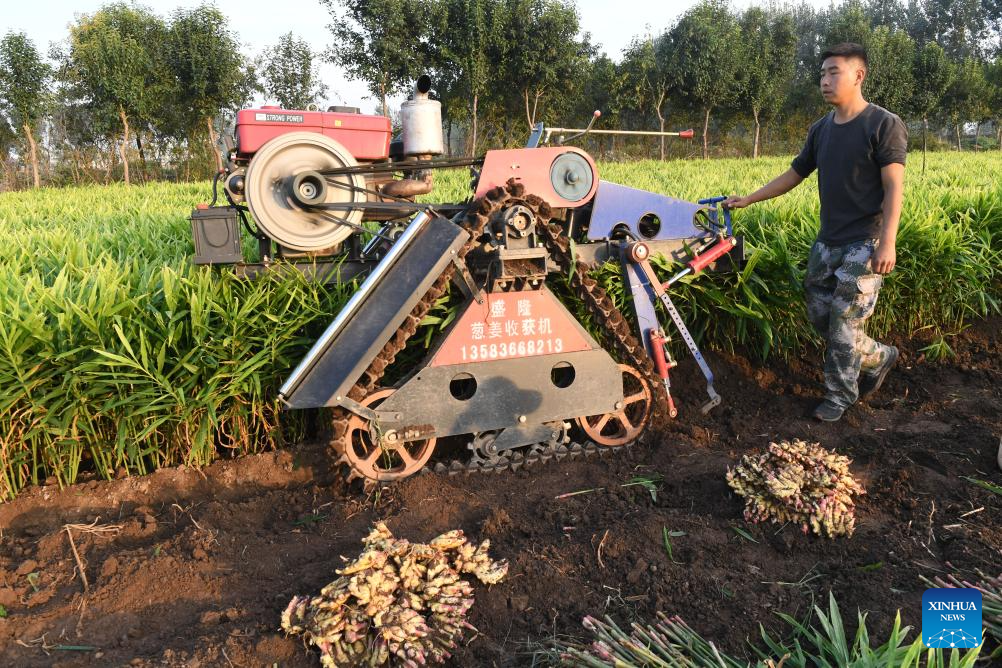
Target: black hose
x=242, y=212
x=215, y=190
x=254, y=232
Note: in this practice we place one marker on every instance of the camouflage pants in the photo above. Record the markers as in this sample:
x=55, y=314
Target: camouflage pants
x=841, y=294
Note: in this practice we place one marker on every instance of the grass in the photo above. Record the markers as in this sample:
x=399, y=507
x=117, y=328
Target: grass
x=648, y=482
x=666, y=536
x=670, y=642
x=115, y=352
x=744, y=534
x=984, y=484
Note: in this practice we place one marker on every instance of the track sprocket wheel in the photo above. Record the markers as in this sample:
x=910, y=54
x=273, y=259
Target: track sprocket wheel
x=628, y=422
x=382, y=457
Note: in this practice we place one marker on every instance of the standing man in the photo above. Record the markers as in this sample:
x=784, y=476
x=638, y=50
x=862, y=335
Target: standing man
x=859, y=152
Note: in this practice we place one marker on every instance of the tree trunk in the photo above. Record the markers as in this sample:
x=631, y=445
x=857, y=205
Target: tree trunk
x=925, y=136
x=212, y=144
x=75, y=165
x=473, y=146
x=661, y=125
x=706, y=131
x=111, y=162
x=977, y=134
x=125, y=143
x=142, y=156
x=661, y=121
x=758, y=130
x=7, y=185
x=34, y=154
x=959, y=147
x=382, y=97
x=530, y=116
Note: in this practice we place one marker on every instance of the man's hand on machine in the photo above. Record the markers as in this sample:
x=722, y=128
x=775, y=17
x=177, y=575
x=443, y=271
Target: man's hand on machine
x=736, y=202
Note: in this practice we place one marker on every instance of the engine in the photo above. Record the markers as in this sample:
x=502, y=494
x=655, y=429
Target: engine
x=301, y=173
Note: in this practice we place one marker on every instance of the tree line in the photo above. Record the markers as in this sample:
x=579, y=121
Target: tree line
x=502, y=65
x=129, y=90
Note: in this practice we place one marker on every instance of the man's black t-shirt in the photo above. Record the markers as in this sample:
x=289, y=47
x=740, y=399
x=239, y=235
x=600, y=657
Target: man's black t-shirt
x=848, y=158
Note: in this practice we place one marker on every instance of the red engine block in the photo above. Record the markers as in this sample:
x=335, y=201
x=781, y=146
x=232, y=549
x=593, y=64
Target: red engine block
x=366, y=137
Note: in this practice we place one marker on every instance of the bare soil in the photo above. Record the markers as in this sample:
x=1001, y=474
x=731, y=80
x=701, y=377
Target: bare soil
x=201, y=563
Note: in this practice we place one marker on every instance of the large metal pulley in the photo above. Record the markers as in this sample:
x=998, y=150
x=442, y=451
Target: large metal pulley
x=571, y=176
x=286, y=191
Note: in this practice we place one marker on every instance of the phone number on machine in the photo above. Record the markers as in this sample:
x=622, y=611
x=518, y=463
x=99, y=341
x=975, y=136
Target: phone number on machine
x=494, y=351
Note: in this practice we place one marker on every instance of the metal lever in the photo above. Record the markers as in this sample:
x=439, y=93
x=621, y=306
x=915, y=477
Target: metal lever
x=541, y=134
x=594, y=117
x=712, y=203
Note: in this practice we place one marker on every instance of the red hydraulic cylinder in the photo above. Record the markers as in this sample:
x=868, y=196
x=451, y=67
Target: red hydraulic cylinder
x=722, y=247
x=661, y=365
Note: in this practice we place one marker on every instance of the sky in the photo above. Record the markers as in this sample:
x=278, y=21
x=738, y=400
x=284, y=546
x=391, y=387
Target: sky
x=259, y=23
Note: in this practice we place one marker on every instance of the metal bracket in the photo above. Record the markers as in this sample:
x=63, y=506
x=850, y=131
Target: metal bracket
x=373, y=416
x=356, y=408
x=464, y=280
x=536, y=138
x=659, y=290
x=378, y=417
x=519, y=435
x=388, y=417
x=505, y=253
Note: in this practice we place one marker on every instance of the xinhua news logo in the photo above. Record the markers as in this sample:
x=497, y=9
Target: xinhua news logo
x=951, y=618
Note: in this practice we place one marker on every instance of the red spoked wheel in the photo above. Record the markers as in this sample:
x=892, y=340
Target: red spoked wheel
x=626, y=423
x=382, y=457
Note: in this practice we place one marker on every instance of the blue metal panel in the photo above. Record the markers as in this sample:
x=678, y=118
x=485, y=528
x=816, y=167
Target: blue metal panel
x=643, y=303
x=619, y=205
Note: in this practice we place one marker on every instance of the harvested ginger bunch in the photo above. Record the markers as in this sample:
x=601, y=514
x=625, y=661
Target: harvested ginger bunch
x=398, y=600
x=801, y=483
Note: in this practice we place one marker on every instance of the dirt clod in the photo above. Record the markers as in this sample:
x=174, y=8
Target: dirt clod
x=109, y=567
x=518, y=603
x=210, y=618
x=8, y=597
x=26, y=567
